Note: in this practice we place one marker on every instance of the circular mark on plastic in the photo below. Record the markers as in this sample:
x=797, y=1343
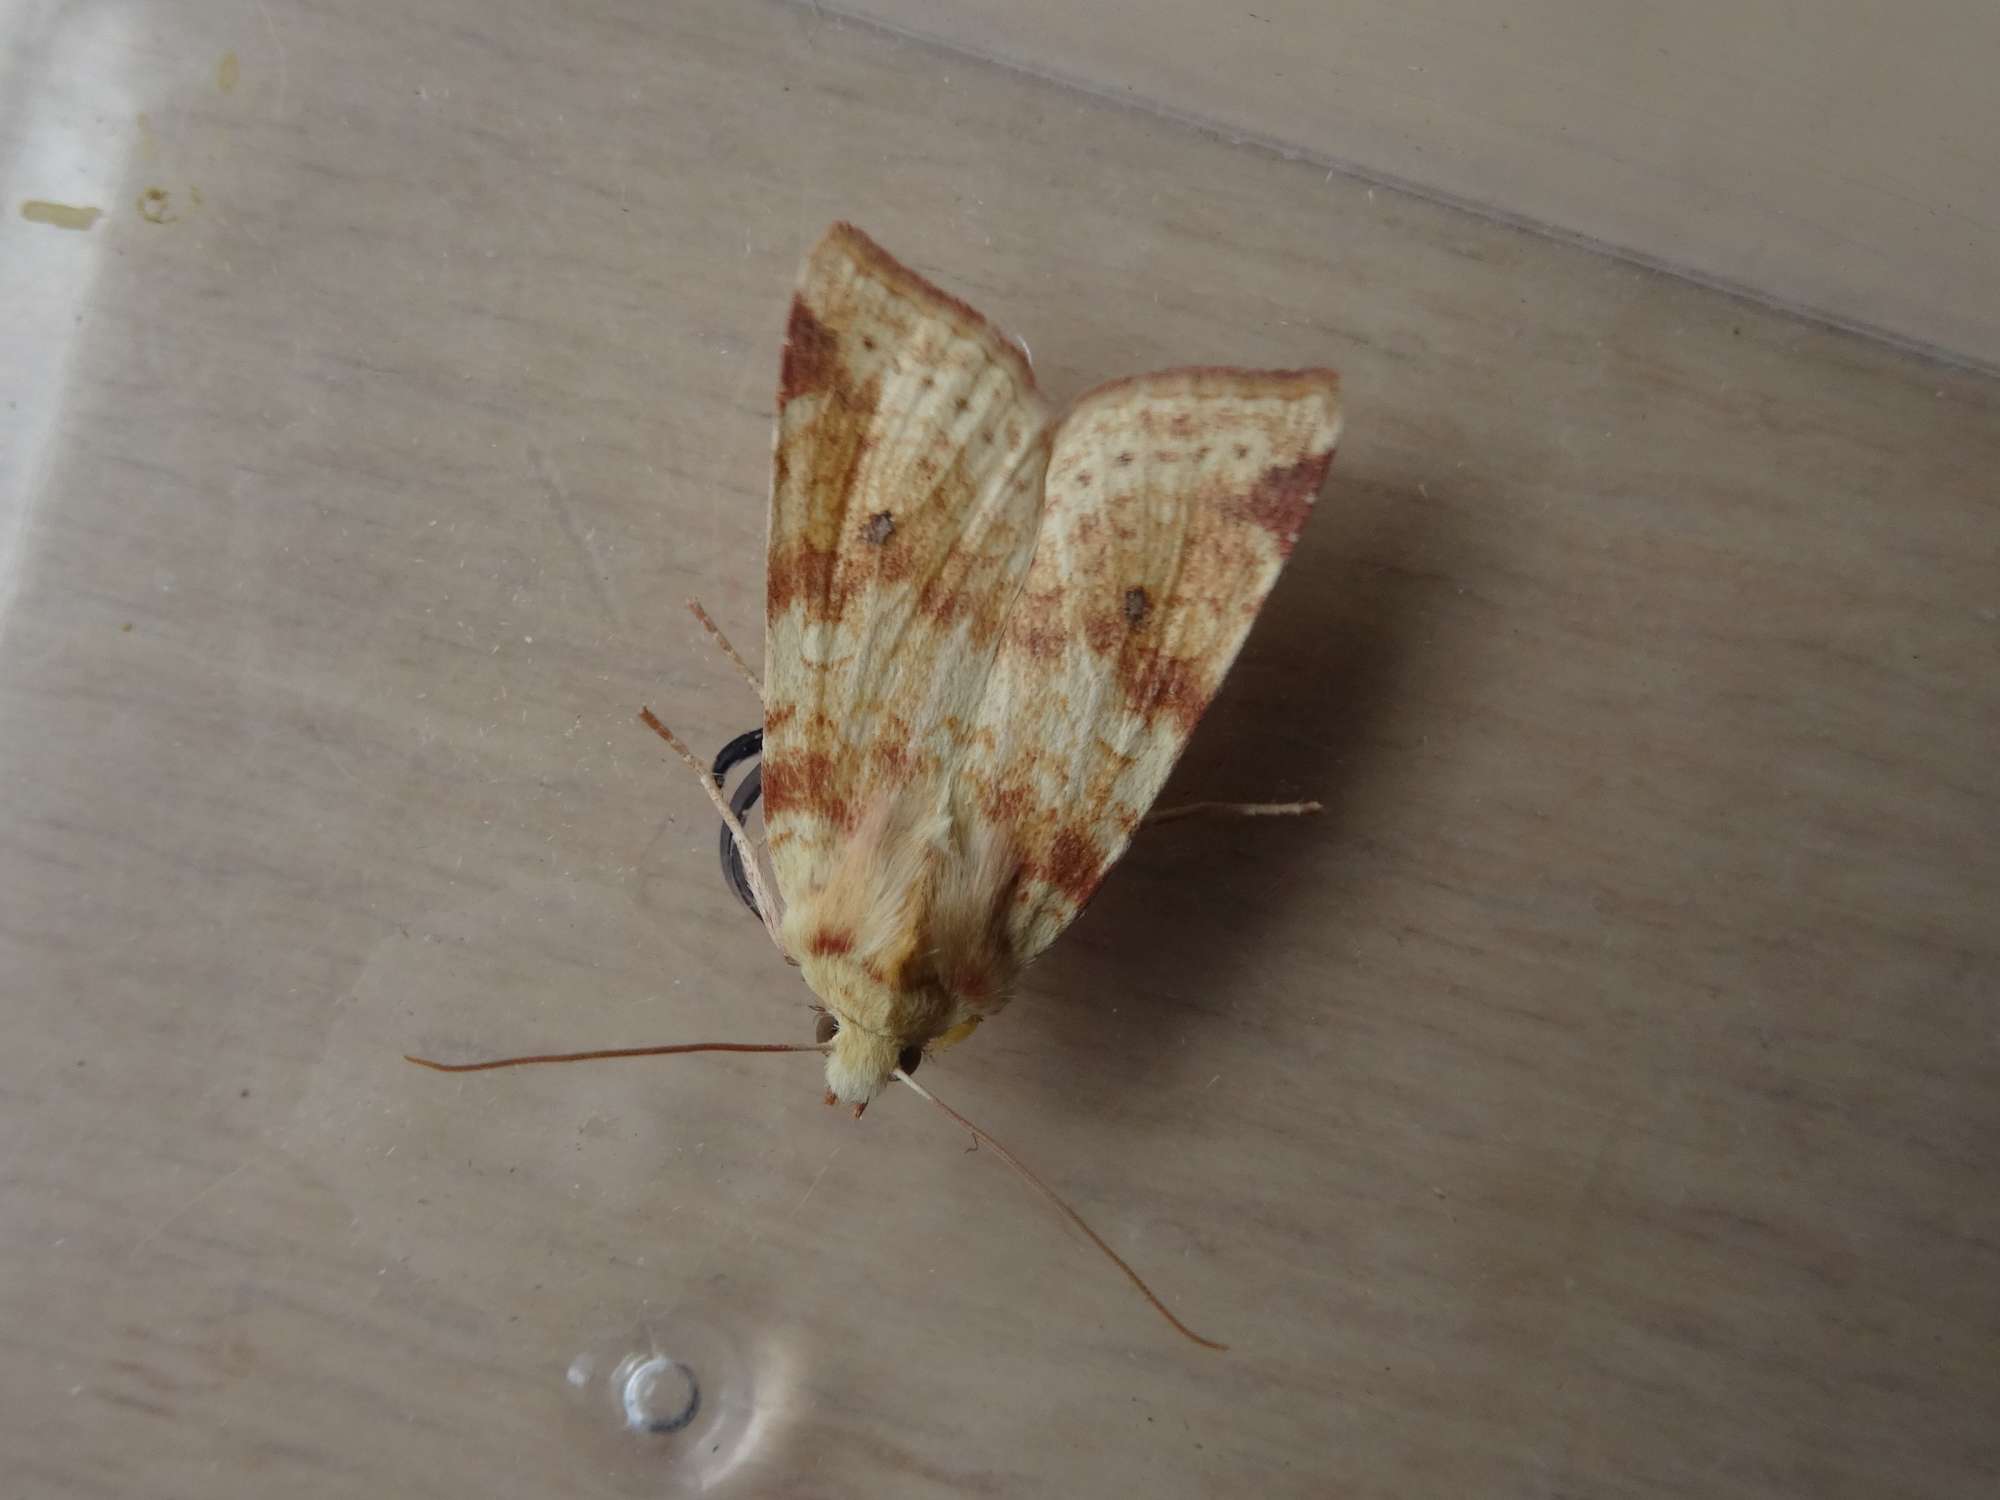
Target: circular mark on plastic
x=661, y=1395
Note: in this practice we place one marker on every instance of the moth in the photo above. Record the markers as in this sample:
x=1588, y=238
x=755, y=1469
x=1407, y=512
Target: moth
x=990, y=628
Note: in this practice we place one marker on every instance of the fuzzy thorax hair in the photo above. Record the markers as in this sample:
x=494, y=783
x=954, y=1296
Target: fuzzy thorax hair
x=905, y=941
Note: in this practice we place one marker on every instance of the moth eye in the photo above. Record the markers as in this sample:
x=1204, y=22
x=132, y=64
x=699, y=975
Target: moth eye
x=908, y=1058
x=824, y=1028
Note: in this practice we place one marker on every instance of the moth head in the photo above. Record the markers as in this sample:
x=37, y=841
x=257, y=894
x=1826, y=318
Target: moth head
x=880, y=1010
x=860, y=1062
x=875, y=1016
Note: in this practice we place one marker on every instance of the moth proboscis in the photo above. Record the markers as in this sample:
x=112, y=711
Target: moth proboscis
x=990, y=628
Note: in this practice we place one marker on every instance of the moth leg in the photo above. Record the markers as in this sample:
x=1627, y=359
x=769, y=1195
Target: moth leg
x=1230, y=810
x=753, y=873
x=722, y=643
x=746, y=746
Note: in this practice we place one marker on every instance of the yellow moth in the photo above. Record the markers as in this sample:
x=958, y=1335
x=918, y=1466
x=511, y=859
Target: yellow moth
x=991, y=627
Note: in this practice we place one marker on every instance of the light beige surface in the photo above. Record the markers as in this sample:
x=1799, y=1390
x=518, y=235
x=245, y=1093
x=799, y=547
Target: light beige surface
x=1842, y=157
x=1600, y=1100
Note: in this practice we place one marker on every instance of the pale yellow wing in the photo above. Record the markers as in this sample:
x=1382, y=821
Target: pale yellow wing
x=1172, y=503
x=906, y=491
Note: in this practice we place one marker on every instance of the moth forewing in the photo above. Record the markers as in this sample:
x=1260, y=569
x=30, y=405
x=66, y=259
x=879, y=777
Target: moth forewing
x=990, y=630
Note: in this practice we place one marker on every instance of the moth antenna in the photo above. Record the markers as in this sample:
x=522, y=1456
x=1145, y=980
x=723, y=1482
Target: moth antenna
x=1231, y=809
x=556, y=1057
x=722, y=643
x=1064, y=1209
x=752, y=871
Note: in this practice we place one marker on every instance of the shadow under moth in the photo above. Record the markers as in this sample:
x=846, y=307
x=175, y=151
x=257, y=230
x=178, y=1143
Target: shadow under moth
x=990, y=628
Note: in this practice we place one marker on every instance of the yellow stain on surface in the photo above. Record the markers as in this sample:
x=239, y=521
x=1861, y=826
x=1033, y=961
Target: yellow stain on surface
x=62, y=215
x=227, y=72
x=153, y=206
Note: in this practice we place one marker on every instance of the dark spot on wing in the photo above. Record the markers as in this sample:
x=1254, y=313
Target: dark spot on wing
x=1042, y=642
x=892, y=759
x=1156, y=685
x=1282, y=498
x=804, y=781
x=939, y=603
x=1073, y=864
x=808, y=573
x=1010, y=804
x=812, y=354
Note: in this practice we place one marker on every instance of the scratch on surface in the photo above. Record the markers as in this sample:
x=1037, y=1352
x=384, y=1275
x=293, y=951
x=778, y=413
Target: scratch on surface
x=584, y=543
x=338, y=764
x=816, y=1177
x=187, y=1208
x=284, y=70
